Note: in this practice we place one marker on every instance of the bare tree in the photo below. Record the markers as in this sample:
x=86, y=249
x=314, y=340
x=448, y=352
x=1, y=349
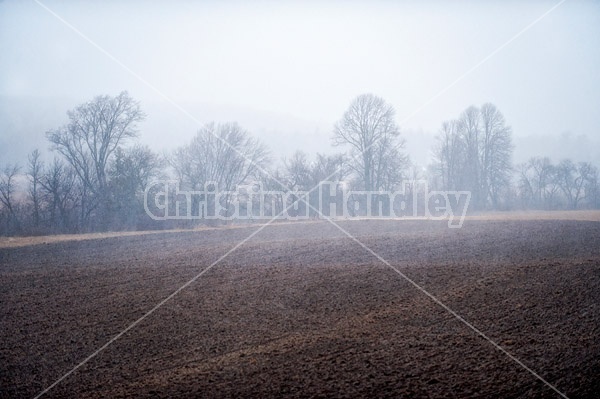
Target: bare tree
x=495, y=153
x=8, y=188
x=592, y=188
x=130, y=173
x=537, y=183
x=368, y=126
x=391, y=164
x=224, y=154
x=570, y=182
x=474, y=153
x=35, y=174
x=134, y=167
x=574, y=181
x=450, y=156
x=59, y=185
x=333, y=167
x=306, y=176
x=272, y=181
x=470, y=130
x=95, y=130
x=298, y=172
x=302, y=174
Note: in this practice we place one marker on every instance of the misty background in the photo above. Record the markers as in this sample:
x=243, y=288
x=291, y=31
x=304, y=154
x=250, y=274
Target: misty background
x=287, y=72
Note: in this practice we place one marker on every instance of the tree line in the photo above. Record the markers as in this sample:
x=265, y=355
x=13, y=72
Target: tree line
x=97, y=178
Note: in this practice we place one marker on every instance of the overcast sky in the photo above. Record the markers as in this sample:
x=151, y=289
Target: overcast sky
x=301, y=63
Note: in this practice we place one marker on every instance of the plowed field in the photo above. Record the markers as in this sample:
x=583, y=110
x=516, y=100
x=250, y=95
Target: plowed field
x=302, y=310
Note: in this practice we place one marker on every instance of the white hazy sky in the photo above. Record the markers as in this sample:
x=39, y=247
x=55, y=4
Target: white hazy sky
x=303, y=62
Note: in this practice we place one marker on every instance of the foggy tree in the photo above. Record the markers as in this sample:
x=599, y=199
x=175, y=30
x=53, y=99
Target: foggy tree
x=326, y=168
x=298, y=172
x=587, y=173
x=8, y=188
x=303, y=175
x=130, y=171
x=592, y=188
x=571, y=179
x=537, y=183
x=391, y=164
x=224, y=154
x=495, y=153
x=59, y=184
x=543, y=185
x=332, y=167
x=568, y=183
x=272, y=181
x=474, y=153
x=450, y=156
x=369, y=128
x=469, y=127
x=88, y=141
x=135, y=166
x=412, y=186
x=35, y=172
x=527, y=186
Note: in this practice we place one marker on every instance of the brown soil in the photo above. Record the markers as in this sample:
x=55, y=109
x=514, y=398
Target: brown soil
x=301, y=310
x=12, y=242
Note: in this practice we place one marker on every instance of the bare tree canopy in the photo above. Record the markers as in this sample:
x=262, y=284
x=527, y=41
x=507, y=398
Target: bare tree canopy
x=298, y=172
x=450, y=154
x=8, y=189
x=224, y=154
x=34, y=172
x=537, y=183
x=302, y=174
x=94, y=132
x=572, y=179
x=368, y=126
x=60, y=188
x=474, y=153
x=99, y=180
